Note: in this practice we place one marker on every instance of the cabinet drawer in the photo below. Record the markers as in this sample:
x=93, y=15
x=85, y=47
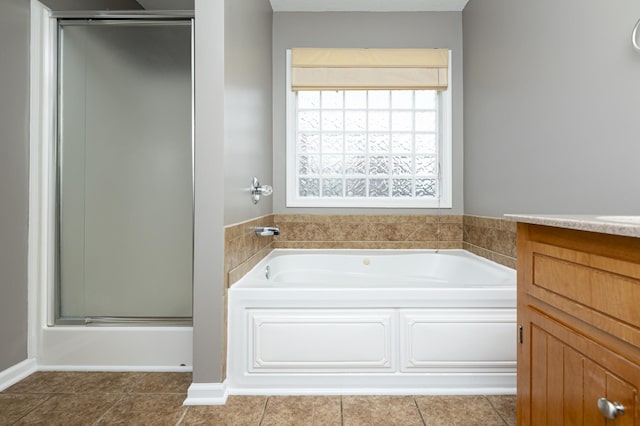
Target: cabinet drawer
x=600, y=290
x=612, y=294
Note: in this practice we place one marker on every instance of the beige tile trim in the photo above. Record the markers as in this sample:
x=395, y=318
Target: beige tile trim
x=507, y=261
x=369, y=245
x=239, y=271
x=490, y=222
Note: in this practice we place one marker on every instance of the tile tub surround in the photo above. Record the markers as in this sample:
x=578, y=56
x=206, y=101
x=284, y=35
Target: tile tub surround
x=369, y=231
x=491, y=238
x=79, y=398
x=243, y=249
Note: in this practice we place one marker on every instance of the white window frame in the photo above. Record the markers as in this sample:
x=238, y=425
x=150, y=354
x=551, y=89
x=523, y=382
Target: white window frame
x=445, y=142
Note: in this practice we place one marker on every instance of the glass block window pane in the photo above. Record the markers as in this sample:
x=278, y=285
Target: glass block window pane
x=378, y=99
x=426, y=99
x=355, y=142
x=402, y=187
x=401, y=143
x=379, y=120
x=401, y=121
x=425, y=165
x=378, y=187
x=332, y=99
x=308, y=100
x=355, y=165
x=426, y=143
x=378, y=165
x=309, y=142
x=402, y=99
x=332, y=164
x=355, y=99
x=332, y=120
x=401, y=165
x=309, y=120
x=309, y=187
x=355, y=121
x=379, y=142
x=376, y=144
x=356, y=188
x=308, y=164
x=332, y=187
x=425, y=188
x=332, y=143
x=426, y=121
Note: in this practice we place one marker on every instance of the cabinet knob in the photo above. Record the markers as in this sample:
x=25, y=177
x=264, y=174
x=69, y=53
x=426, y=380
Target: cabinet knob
x=609, y=409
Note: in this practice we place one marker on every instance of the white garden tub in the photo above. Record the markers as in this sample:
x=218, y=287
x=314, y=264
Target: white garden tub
x=372, y=322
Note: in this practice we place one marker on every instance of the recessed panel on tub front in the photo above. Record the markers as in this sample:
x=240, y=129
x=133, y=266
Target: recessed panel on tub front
x=463, y=340
x=318, y=340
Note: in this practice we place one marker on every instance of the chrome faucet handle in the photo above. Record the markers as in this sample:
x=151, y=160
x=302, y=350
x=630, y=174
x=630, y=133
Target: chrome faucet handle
x=257, y=190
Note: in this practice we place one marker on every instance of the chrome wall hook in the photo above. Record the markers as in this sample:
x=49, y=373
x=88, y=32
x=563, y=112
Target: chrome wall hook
x=257, y=190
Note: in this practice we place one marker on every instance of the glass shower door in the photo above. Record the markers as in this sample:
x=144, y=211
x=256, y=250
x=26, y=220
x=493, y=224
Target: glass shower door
x=125, y=186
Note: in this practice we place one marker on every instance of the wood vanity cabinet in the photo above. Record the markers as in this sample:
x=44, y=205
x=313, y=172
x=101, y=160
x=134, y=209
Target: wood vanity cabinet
x=579, y=313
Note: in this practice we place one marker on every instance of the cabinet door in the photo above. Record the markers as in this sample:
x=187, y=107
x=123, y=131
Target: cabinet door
x=564, y=374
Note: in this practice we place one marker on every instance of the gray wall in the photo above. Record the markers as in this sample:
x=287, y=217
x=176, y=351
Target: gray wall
x=383, y=30
x=208, y=252
x=14, y=189
x=232, y=143
x=247, y=119
x=551, y=107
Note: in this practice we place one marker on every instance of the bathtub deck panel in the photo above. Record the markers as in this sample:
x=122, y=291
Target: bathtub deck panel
x=373, y=322
x=439, y=340
x=320, y=341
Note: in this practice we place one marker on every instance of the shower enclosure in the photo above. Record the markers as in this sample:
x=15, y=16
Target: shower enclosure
x=124, y=172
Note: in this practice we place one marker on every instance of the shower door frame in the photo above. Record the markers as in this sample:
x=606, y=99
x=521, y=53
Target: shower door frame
x=76, y=347
x=143, y=18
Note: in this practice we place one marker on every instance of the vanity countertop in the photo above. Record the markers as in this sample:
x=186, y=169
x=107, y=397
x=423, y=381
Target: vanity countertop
x=628, y=226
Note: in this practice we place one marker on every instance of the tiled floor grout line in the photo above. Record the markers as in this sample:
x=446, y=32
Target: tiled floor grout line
x=341, y=412
x=496, y=410
x=97, y=422
x=424, y=423
x=264, y=410
x=184, y=414
x=32, y=409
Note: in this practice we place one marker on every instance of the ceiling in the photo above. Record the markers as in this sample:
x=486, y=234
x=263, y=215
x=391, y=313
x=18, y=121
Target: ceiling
x=367, y=5
x=277, y=5
x=102, y=5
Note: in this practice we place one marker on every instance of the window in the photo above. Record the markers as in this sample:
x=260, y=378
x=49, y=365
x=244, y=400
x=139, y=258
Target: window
x=368, y=148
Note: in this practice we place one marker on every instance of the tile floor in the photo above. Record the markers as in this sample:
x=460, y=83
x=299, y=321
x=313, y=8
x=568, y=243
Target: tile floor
x=90, y=398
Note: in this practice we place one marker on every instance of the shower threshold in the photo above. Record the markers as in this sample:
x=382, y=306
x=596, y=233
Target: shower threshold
x=114, y=344
x=98, y=321
x=128, y=321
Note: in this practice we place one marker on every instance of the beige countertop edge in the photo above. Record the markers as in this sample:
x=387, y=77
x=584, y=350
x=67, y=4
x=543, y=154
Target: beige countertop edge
x=591, y=223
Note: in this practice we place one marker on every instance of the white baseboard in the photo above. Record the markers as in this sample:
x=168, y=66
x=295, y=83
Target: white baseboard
x=284, y=391
x=14, y=374
x=478, y=383
x=207, y=394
